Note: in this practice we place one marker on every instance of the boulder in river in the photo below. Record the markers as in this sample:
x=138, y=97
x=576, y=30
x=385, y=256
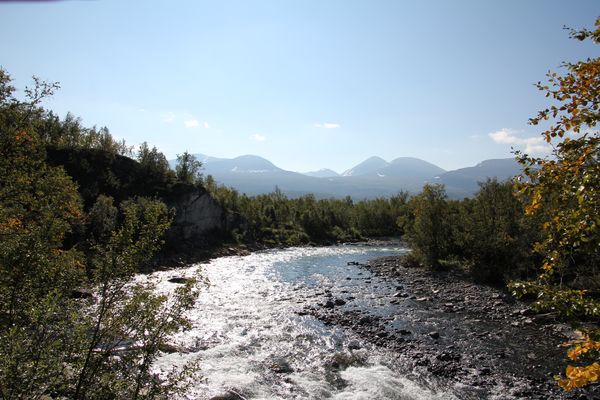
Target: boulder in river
x=434, y=335
x=230, y=395
x=179, y=279
x=339, y=302
x=280, y=366
x=354, y=345
x=329, y=304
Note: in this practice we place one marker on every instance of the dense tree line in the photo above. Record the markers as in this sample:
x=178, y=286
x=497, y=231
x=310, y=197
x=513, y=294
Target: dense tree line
x=489, y=235
x=275, y=219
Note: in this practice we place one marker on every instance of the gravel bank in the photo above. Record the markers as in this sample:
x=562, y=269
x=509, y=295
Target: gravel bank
x=443, y=327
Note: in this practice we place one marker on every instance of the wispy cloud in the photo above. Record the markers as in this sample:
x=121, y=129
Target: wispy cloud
x=191, y=123
x=168, y=116
x=258, y=137
x=327, y=125
x=533, y=145
x=189, y=120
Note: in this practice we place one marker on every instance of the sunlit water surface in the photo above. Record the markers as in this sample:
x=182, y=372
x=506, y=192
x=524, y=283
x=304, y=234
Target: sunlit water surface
x=251, y=342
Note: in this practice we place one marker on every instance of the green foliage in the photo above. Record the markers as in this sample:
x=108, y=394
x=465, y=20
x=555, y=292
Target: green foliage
x=429, y=235
x=154, y=167
x=273, y=219
x=569, y=303
x=499, y=240
x=564, y=193
x=65, y=333
x=188, y=169
x=70, y=134
x=129, y=323
x=489, y=235
x=38, y=321
x=102, y=219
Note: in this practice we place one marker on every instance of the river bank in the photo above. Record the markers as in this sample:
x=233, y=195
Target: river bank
x=441, y=325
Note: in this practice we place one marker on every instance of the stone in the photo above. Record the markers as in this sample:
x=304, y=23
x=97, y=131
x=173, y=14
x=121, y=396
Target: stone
x=179, y=279
x=434, y=335
x=329, y=304
x=339, y=302
x=170, y=348
x=354, y=345
x=280, y=366
x=446, y=356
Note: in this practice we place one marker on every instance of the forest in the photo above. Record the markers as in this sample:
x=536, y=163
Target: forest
x=81, y=213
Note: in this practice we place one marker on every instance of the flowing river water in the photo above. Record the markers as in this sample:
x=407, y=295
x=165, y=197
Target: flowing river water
x=254, y=342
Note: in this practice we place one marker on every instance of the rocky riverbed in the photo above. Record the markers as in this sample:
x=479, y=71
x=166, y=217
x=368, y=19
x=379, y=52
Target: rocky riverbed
x=439, y=325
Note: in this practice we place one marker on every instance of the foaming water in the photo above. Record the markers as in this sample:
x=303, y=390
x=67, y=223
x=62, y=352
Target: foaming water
x=253, y=342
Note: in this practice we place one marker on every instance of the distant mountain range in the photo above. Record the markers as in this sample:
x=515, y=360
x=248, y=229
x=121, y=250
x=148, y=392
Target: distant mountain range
x=374, y=177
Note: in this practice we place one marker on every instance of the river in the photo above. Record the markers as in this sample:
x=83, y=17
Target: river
x=254, y=341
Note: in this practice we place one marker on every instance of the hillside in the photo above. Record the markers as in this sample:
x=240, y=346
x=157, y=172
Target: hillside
x=464, y=182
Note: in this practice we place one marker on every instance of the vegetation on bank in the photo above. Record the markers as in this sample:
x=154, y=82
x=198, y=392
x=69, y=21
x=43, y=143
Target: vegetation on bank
x=550, y=220
x=73, y=324
x=564, y=193
x=276, y=220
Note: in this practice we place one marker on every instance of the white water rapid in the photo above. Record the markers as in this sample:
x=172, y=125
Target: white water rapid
x=253, y=341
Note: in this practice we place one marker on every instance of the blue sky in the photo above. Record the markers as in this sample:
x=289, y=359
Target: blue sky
x=306, y=84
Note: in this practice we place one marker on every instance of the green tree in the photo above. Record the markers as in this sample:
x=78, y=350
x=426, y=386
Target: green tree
x=188, y=169
x=430, y=232
x=38, y=323
x=102, y=219
x=564, y=191
x=497, y=243
x=128, y=319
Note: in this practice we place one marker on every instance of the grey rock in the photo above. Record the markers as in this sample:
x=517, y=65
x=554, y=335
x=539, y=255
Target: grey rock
x=434, y=335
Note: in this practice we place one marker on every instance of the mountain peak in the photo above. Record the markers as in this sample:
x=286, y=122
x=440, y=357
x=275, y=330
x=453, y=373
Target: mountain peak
x=367, y=167
x=322, y=173
x=252, y=163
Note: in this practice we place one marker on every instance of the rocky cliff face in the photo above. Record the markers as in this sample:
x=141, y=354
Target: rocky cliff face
x=198, y=215
x=199, y=218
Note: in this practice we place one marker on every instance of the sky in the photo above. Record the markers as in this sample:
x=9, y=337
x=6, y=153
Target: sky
x=307, y=84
